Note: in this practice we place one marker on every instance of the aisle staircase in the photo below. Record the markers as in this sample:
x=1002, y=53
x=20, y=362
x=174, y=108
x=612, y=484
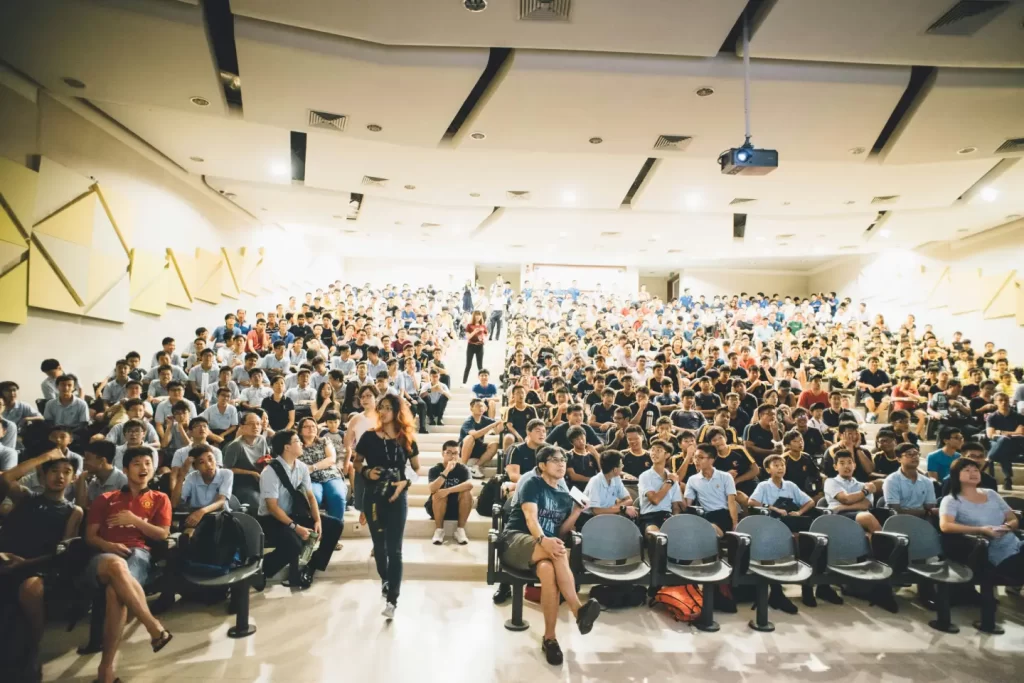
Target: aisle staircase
x=422, y=559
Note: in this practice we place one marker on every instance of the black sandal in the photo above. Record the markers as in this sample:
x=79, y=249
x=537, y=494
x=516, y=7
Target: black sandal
x=159, y=643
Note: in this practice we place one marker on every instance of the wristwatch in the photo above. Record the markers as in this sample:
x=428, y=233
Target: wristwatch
x=292, y=526
x=622, y=509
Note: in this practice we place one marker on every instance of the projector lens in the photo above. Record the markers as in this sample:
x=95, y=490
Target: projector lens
x=742, y=156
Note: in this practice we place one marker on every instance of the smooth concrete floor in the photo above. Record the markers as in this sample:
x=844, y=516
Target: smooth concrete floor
x=450, y=631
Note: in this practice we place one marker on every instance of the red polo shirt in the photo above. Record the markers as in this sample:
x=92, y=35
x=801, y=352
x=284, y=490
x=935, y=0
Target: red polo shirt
x=152, y=506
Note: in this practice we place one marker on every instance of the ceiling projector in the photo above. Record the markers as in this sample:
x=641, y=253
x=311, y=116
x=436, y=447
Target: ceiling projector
x=748, y=160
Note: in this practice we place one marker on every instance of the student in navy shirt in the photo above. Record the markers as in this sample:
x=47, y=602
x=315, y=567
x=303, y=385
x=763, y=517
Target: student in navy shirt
x=1006, y=429
x=488, y=393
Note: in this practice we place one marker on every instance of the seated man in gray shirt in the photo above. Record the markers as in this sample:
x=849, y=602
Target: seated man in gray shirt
x=100, y=475
x=17, y=411
x=242, y=455
x=114, y=391
x=205, y=489
x=67, y=409
x=8, y=455
x=906, y=491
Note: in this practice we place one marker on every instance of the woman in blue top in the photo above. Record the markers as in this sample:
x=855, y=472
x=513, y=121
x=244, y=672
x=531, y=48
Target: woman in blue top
x=972, y=510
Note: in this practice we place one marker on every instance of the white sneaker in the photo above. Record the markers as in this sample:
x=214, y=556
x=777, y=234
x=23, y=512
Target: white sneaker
x=389, y=611
x=476, y=472
x=438, y=538
x=460, y=536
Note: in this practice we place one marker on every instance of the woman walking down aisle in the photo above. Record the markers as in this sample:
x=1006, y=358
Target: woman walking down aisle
x=476, y=333
x=381, y=458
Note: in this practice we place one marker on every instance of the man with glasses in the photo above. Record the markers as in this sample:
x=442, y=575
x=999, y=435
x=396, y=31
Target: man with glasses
x=906, y=492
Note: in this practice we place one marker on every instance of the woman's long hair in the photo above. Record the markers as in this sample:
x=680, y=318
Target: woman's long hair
x=298, y=430
x=473, y=321
x=958, y=466
x=402, y=417
x=320, y=399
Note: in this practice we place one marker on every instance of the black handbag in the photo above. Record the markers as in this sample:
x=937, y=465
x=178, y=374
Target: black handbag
x=300, y=504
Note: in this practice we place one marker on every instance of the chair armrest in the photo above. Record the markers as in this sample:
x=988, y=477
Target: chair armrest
x=657, y=551
x=967, y=549
x=697, y=509
x=811, y=547
x=759, y=510
x=496, y=517
x=576, y=553
x=891, y=549
x=738, y=547
x=492, y=555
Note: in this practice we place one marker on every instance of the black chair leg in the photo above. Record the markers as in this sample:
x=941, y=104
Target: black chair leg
x=988, y=624
x=240, y=602
x=96, y=620
x=706, y=620
x=761, y=623
x=516, y=623
x=943, y=621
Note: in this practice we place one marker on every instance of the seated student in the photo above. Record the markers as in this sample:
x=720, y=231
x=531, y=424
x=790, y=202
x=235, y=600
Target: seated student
x=198, y=434
x=67, y=409
x=736, y=461
x=251, y=398
x=224, y=381
x=162, y=414
x=682, y=462
x=850, y=497
x=134, y=409
x=573, y=418
x=667, y=400
x=474, y=451
x=277, y=361
x=950, y=408
x=287, y=523
x=712, y=489
x=51, y=367
x=720, y=421
x=584, y=460
x=687, y=416
x=202, y=374
x=706, y=400
x=906, y=398
x=801, y=468
x=971, y=509
x=60, y=437
x=814, y=441
x=660, y=496
x=99, y=475
x=436, y=396
x=134, y=437
x=222, y=418
x=486, y=392
x=542, y=514
x=899, y=422
x=976, y=452
x=761, y=437
x=885, y=459
x=644, y=413
x=950, y=441
x=205, y=489
x=19, y=412
x=783, y=498
x=667, y=433
x=606, y=492
x=850, y=441
x=451, y=494
x=906, y=491
x=635, y=459
x=243, y=457
x=119, y=525
x=523, y=457
x=1006, y=429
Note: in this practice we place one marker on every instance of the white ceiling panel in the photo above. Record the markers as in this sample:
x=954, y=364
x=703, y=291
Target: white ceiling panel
x=413, y=93
x=774, y=235
x=690, y=27
x=132, y=51
x=449, y=177
x=909, y=229
x=980, y=108
x=226, y=147
x=558, y=101
x=885, y=32
x=809, y=187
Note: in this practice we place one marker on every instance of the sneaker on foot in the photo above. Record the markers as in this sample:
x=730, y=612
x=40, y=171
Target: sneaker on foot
x=552, y=651
x=460, y=536
x=477, y=473
x=389, y=611
x=383, y=589
x=587, y=615
x=438, y=537
x=779, y=601
x=828, y=594
x=807, y=596
x=503, y=593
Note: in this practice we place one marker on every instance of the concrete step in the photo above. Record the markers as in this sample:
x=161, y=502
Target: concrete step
x=422, y=487
x=418, y=525
x=420, y=560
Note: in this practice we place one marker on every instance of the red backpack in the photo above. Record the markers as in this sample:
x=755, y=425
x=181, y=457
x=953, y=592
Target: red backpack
x=682, y=602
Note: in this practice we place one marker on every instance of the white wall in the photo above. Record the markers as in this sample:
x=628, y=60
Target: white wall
x=170, y=211
x=486, y=275
x=710, y=281
x=993, y=251
x=656, y=286
x=416, y=273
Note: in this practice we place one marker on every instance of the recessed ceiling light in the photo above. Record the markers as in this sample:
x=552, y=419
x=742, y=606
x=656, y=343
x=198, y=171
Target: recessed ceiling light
x=857, y=150
x=337, y=217
x=73, y=83
x=704, y=91
x=569, y=196
x=198, y=160
x=398, y=222
x=478, y=135
x=410, y=187
x=474, y=194
x=693, y=200
x=884, y=233
x=967, y=150
x=596, y=141
x=786, y=203
x=374, y=128
x=281, y=169
x=200, y=101
x=850, y=201
x=989, y=194
x=263, y=208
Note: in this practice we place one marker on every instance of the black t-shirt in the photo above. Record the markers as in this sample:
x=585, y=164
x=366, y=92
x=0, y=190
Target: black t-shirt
x=625, y=400
x=387, y=454
x=636, y=464
x=470, y=426
x=761, y=437
x=704, y=435
x=723, y=388
x=883, y=465
x=520, y=418
x=533, y=398
x=748, y=404
x=650, y=416
x=687, y=419
x=558, y=436
x=740, y=421
x=804, y=473
x=832, y=418
x=676, y=461
x=277, y=412
x=875, y=379
x=814, y=441
x=524, y=456
x=737, y=459
x=364, y=348
x=738, y=372
x=584, y=388
x=458, y=475
x=603, y=414
x=1004, y=423
x=583, y=465
x=707, y=401
x=35, y=526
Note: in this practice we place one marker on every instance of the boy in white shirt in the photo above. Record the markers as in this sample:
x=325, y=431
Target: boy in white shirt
x=849, y=497
x=660, y=497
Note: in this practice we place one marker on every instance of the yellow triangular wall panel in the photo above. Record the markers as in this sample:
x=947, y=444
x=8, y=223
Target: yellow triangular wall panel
x=180, y=279
x=148, y=282
x=72, y=223
x=14, y=295
x=105, y=238
x=232, y=267
x=10, y=256
x=57, y=187
x=1004, y=301
x=9, y=232
x=45, y=288
x=113, y=305
x=18, y=187
x=121, y=213
x=939, y=296
x=209, y=276
x=104, y=273
x=964, y=287
x=71, y=261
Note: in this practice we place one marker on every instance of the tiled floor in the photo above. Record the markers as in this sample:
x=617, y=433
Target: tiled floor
x=449, y=631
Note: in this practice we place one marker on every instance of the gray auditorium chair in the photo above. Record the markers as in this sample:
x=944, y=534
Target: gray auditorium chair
x=972, y=551
x=762, y=551
x=611, y=552
x=685, y=552
x=822, y=506
x=848, y=556
x=927, y=562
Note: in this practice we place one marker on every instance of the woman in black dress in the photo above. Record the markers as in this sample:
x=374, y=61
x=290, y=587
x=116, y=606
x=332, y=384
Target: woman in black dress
x=381, y=458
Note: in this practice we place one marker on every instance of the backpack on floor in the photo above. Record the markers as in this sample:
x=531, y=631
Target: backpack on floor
x=217, y=546
x=619, y=597
x=682, y=602
x=490, y=493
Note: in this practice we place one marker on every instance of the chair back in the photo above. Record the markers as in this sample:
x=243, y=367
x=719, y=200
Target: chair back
x=822, y=503
x=1016, y=503
x=770, y=539
x=253, y=536
x=611, y=538
x=925, y=541
x=690, y=538
x=846, y=540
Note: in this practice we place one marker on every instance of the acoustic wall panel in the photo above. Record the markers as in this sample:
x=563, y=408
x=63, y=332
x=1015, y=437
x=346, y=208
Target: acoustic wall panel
x=10, y=256
x=232, y=266
x=18, y=187
x=14, y=294
x=69, y=260
x=1004, y=302
x=180, y=278
x=58, y=186
x=46, y=289
x=113, y=304
x=209, y=276
x=249, y=277
x=938, y=296
x=121, y=214
x=964, y=287
x=148, y=282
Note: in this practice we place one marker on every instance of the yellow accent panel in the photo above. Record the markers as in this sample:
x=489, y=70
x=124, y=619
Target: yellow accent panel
x=9, y=231
x=45, y=287
x=10, y=256
x=1018, y=286
x=252, y=272
x=1004, y=302
x=964, y=287
x=209, y=276
x=179, y=280
x=57, y=186
x=70, y=261
x=72, y=223
x=105, y=238
x=938, y=292
x=14, y=295
x=104, y=272
x=148, y=285
x=113, y=305
x=232, y=267
x=18, y=187
x=121, y=214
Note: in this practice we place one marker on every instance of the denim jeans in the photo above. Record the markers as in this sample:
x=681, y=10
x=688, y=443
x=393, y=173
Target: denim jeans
x=334, y=492
x=387, y=528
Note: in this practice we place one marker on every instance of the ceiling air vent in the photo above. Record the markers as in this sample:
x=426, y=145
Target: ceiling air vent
x=966, y=17
x=374, y=181
x=518, y=195
x=608, y=234
x=741, y=200
x=885, y=199
x=517, y=246
x=544, y=10
x=350, y=232
x=672, y=143
x=430, y=225
x=848, y=247
x=675, y=251
x=1011, y=146
x=327, y=120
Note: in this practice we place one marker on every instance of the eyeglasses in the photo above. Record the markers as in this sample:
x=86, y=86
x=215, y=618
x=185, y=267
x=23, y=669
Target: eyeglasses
x=556, y=459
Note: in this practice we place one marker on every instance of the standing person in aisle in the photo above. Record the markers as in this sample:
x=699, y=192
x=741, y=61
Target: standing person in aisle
x=359, y=424
x=476, y=333
x=381, y=459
